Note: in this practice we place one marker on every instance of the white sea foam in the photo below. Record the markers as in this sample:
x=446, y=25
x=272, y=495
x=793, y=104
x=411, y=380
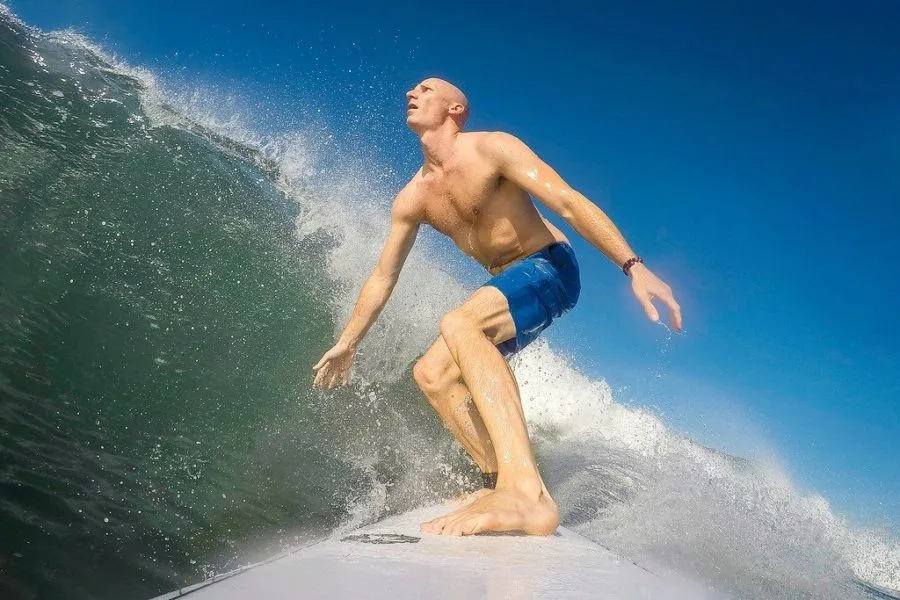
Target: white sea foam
x=9, y=16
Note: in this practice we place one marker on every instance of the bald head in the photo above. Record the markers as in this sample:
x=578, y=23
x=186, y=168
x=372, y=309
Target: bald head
x=456, y=99
x=433, y=101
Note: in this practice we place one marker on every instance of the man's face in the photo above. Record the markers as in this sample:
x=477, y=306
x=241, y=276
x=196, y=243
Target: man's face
x=426, y=105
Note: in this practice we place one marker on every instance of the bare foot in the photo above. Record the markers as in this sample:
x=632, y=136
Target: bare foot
x=470, y=497
x=500, y=510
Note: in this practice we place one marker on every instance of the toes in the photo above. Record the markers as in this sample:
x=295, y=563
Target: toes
x=446, y=524
x=468, y=525
x=464, y=524
x=453, y=529
x=467, y=520
x=452, y=526
x=430, y=527
x=435, y=526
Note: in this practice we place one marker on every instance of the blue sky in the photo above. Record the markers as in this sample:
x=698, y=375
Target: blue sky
x=749, y=151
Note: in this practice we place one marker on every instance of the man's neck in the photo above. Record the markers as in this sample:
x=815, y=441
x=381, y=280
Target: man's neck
x=437, y=146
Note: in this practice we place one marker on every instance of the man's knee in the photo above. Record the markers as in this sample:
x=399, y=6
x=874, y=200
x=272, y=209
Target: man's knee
x=430, y=376
x=455, y=323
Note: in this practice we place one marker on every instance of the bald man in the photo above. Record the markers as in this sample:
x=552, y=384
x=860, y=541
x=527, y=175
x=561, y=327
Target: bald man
x=477, y=188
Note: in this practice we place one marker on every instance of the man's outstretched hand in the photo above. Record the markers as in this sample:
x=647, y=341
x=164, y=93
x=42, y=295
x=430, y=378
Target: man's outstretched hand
x=334, y=366
x=647, y=286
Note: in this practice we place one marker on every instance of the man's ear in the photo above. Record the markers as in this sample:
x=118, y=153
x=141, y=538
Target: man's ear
x=456, y=108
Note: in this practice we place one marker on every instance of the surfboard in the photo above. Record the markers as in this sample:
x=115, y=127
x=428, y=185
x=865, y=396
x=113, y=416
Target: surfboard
x=391, y=559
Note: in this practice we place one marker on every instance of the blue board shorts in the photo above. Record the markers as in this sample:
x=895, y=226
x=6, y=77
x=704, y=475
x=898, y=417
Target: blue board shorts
x=539, y=288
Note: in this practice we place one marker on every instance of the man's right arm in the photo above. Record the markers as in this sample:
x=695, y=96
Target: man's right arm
x=405, y=220
x=378, y=287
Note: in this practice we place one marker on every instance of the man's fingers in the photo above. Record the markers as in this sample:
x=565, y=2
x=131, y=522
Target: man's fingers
x=675, y=309
x=648, y=306
x=648, y=286
x=332, y=368
x=317, y=382
x=328, y=377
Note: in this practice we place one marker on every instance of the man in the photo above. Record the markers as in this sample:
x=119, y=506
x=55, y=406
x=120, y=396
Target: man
x=475, y=188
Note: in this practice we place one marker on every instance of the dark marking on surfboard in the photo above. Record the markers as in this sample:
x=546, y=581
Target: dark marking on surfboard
x=381, y=538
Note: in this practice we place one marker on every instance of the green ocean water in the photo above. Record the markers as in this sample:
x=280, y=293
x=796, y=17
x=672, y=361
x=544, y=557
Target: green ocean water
x=158, y=320
x=164, y=291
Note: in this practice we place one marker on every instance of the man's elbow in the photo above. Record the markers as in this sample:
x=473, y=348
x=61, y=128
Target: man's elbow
x=567, y=205
x=383, y=279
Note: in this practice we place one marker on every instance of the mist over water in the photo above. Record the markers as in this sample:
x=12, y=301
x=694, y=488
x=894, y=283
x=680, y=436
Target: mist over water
x=170, y=276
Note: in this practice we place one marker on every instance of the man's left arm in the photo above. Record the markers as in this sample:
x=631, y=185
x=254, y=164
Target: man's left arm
x=518, y=163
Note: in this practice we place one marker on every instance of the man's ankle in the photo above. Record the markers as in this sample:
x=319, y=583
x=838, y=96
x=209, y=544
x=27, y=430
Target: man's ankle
x=527, y=483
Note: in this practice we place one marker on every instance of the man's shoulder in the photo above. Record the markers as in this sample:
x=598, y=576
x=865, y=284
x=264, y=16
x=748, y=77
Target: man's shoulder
x=480, y=138
x=408, y=203
x=490, y=144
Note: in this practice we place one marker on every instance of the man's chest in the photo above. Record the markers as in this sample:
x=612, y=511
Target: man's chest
x=457, y=196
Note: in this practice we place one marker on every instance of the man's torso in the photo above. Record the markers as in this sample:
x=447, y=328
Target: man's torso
x=487, y=216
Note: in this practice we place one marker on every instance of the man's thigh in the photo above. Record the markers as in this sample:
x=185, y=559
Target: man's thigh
x=488, y=309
